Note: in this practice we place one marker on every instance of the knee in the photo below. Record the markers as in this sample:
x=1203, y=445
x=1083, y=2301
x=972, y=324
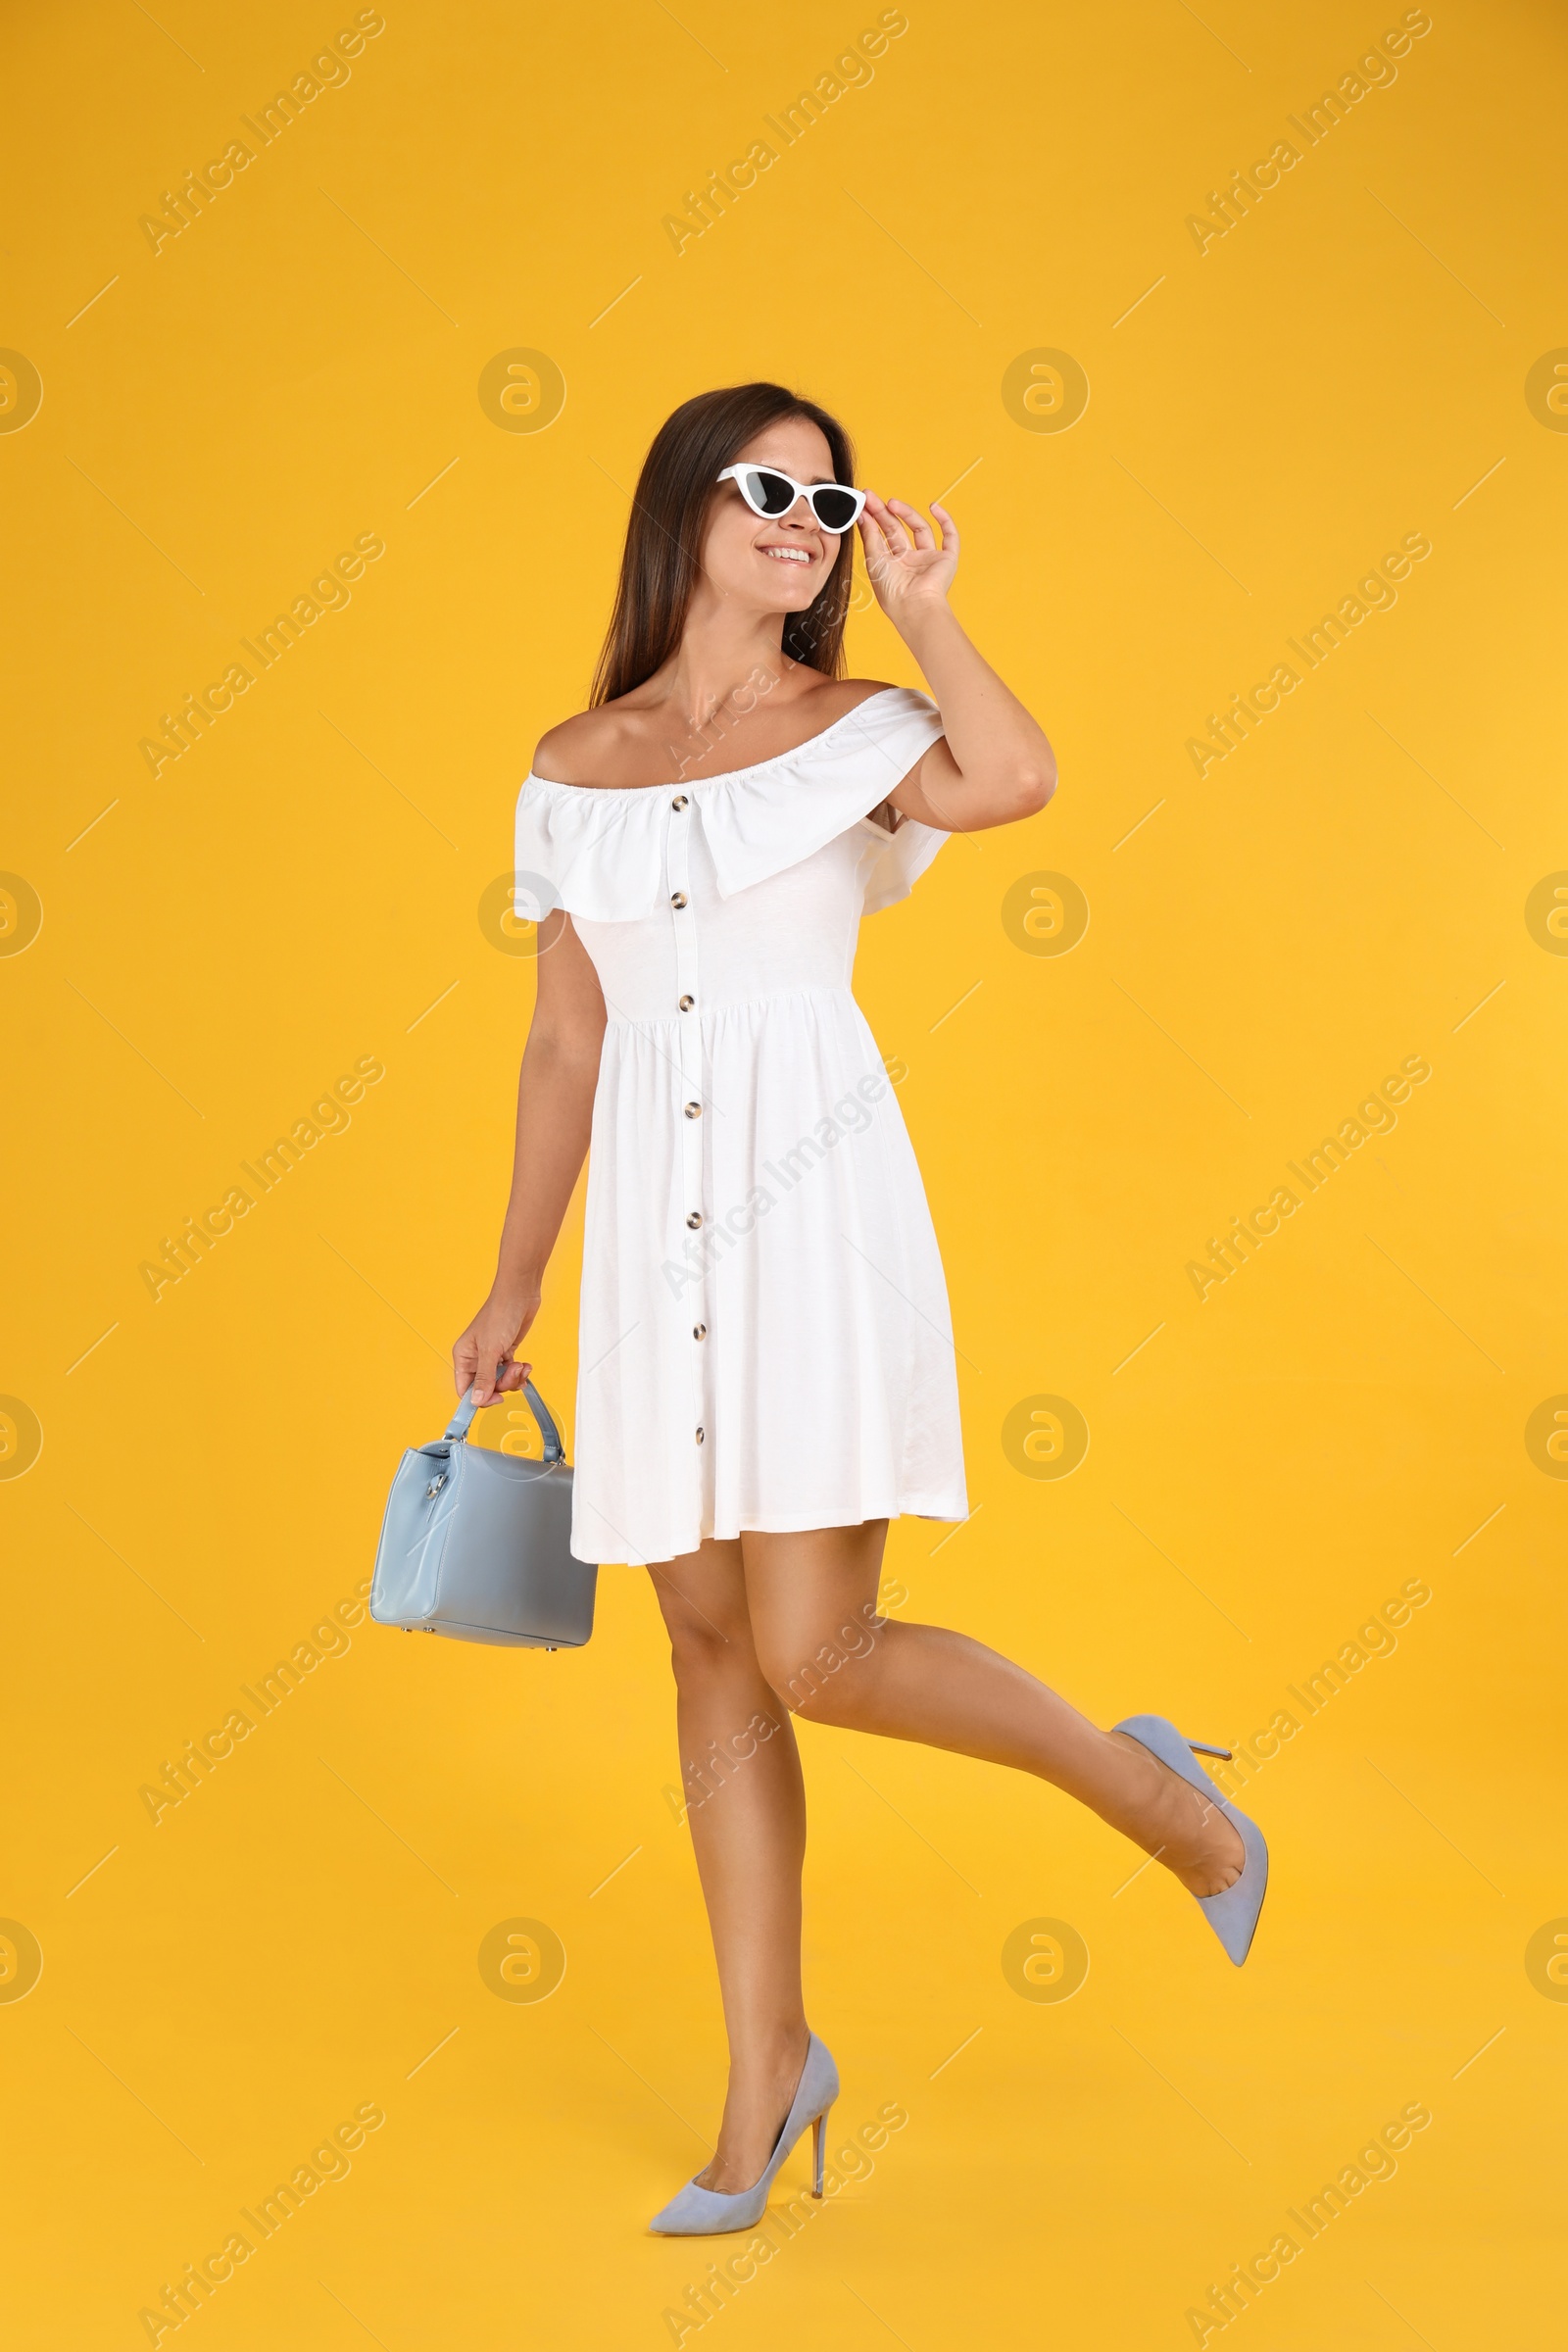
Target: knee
x=819, y=1670
x=703, y=1651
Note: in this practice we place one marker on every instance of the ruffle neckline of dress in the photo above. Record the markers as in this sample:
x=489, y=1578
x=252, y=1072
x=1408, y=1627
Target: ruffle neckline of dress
x=599, y=847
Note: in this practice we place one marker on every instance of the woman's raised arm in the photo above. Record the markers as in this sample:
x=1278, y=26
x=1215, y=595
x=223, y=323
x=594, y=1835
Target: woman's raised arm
x=994, y=765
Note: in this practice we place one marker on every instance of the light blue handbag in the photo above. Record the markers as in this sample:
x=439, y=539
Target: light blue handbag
x=476, y=1544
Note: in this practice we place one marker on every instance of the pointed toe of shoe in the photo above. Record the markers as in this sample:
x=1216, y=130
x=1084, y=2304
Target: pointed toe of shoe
x=698, y=2212
x=704, y=2213
x=1232, y=1914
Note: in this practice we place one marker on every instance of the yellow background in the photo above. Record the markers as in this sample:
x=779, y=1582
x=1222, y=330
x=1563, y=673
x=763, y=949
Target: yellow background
x=300, y=888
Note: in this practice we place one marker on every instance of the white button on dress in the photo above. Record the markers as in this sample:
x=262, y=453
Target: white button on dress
x=759, y=1260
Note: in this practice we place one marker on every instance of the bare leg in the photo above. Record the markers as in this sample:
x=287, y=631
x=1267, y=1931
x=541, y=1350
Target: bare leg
x=777, y=1625
x=822, y=1648
x=741, y=1773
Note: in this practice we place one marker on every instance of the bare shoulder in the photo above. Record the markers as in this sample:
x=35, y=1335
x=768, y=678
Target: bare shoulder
x=577, y=750
x=849, y=693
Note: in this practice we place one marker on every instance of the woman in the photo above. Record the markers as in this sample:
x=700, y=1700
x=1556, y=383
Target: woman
x=767, y=1362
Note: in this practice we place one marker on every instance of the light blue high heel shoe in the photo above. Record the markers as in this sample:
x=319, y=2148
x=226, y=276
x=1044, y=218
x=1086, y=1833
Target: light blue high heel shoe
x=704, y=2213
x=1233, y=1913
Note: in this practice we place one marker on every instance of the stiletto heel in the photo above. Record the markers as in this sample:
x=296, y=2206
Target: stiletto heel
x=705, y=2212
x=1232, y=1912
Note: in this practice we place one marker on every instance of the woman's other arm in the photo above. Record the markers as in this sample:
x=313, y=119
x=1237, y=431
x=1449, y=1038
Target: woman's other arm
x=555, y=1111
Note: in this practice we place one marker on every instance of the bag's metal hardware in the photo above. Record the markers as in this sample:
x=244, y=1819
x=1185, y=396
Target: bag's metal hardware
x=435, y=1486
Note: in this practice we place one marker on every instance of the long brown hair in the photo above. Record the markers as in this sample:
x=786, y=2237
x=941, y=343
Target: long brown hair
x=662, y=558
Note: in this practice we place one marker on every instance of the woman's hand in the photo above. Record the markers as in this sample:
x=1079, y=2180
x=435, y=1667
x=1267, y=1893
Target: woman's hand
x=487, y=1346
x=992, y=764
x=907, y=570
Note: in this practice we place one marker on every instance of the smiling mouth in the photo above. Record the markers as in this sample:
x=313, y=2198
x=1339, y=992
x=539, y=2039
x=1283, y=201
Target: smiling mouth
x=787, y=555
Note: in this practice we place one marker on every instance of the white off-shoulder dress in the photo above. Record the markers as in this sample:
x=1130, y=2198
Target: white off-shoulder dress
x=765, y=1339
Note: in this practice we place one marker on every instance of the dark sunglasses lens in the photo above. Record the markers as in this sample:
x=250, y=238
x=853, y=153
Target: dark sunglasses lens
x=835, y=508
x=769, y=491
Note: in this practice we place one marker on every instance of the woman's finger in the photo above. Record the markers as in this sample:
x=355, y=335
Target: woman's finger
x=873, y=539
x=876, y=547
x=916, y=522
x=949, y=529
x=888, y=524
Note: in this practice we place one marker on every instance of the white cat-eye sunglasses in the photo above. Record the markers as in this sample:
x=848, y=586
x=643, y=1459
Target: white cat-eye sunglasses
x=771, y=494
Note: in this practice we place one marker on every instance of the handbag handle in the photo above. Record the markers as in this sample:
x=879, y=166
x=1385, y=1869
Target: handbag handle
x=457, y=1428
